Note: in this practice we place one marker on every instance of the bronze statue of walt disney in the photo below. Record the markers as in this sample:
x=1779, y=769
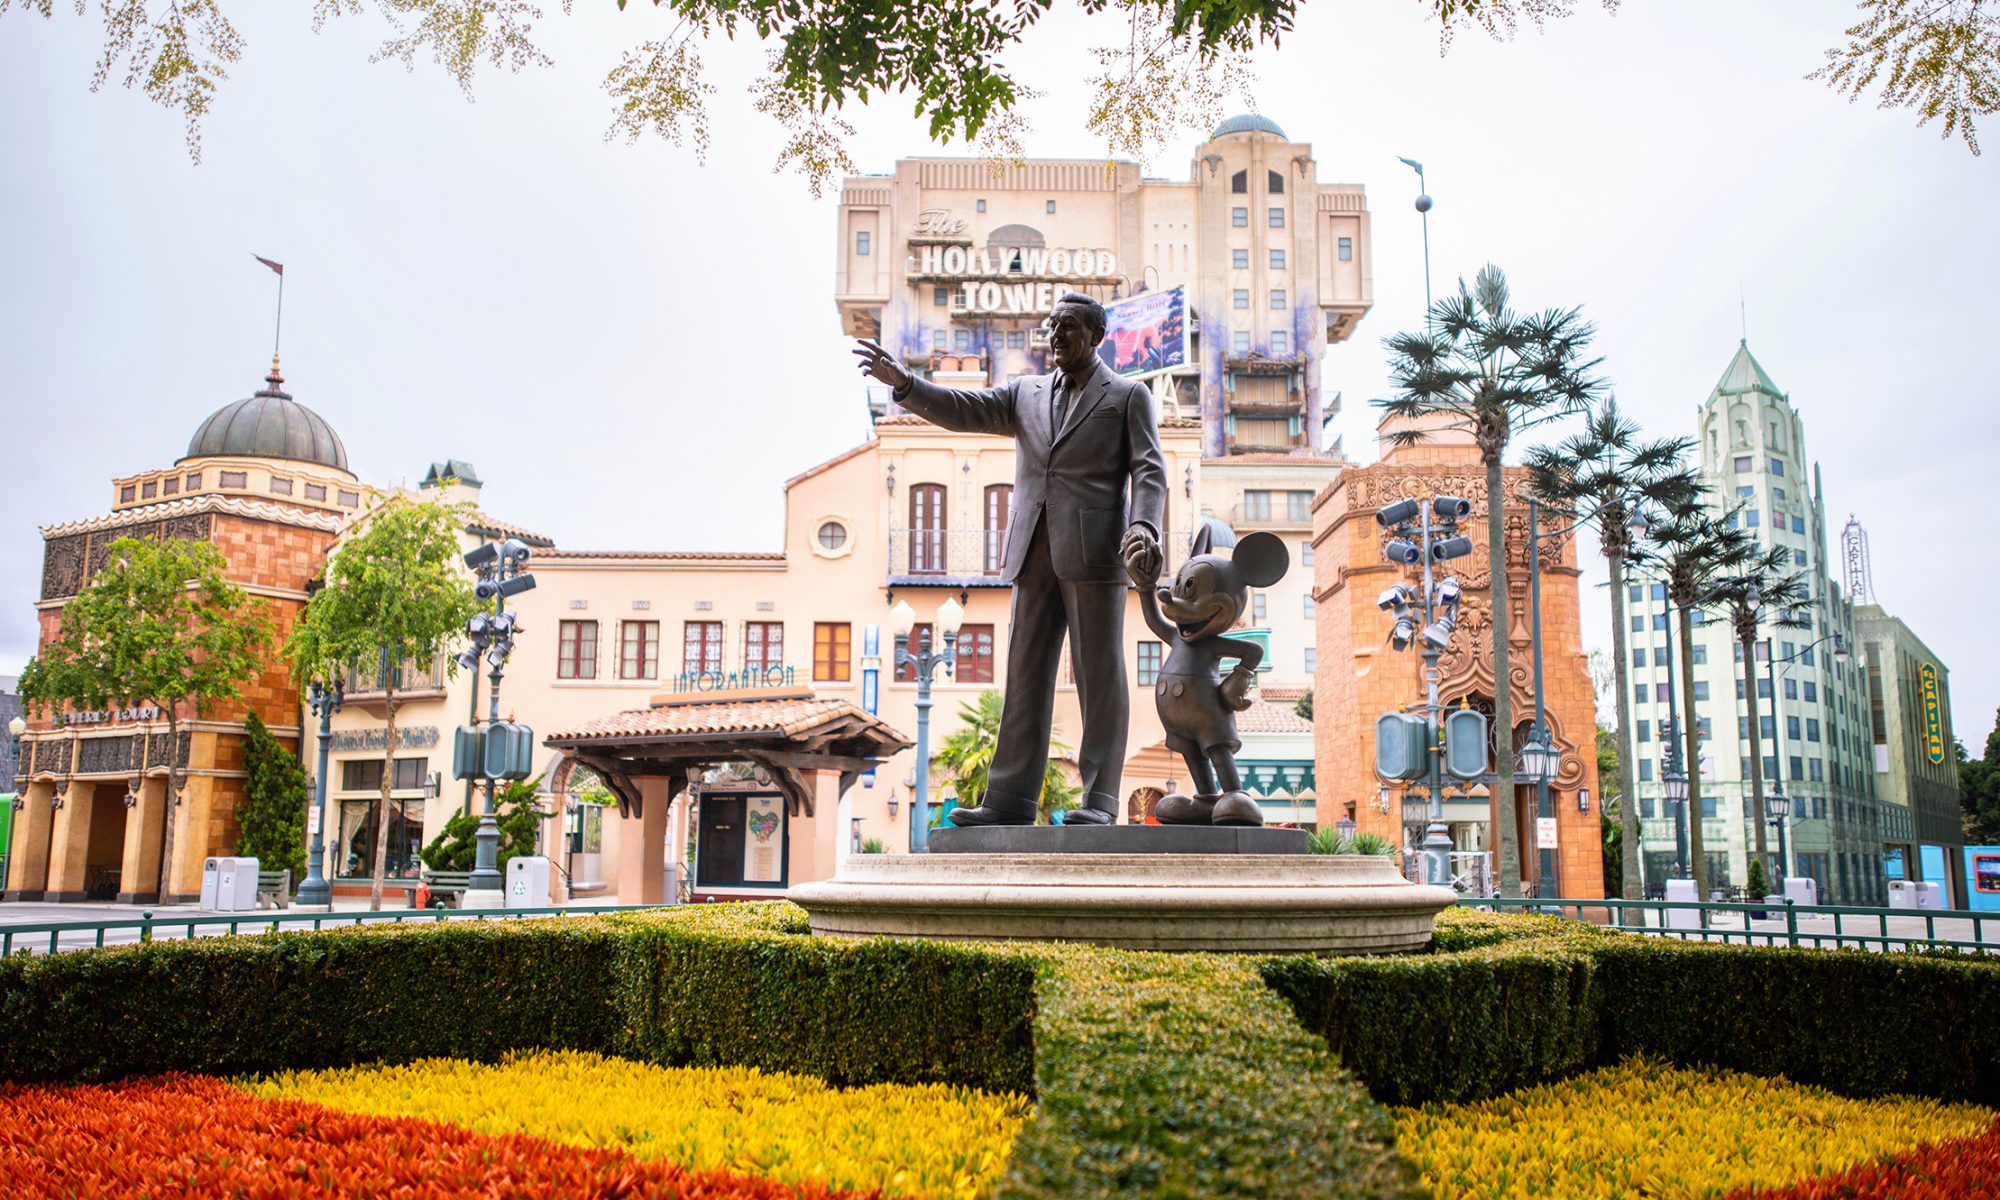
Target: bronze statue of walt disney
x=1089, y=491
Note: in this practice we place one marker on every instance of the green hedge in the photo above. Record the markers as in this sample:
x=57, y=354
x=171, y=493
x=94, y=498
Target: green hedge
x=230, y=1005
x=745, y=984
x=1183, y=1076
x=1504, y=1001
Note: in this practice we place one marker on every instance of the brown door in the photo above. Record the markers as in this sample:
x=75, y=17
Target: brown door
x=720, y=863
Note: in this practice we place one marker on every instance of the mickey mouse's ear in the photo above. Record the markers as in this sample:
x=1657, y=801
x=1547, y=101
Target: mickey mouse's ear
x=1202, y=541
x=1262, y=558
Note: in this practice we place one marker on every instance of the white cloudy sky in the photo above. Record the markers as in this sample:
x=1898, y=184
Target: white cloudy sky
x=596, y=326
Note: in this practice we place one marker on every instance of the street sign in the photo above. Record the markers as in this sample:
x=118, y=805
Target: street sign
x=1545, y=833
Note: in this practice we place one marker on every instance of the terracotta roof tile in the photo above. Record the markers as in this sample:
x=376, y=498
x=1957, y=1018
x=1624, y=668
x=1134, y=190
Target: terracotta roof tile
x=828, y=465
x=906, y=418
x=1266, y=457
x=1180, y=422
x=1265, y=717
x=788, y=718
x=261, y=510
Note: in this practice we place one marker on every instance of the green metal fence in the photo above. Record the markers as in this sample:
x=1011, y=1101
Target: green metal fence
x=1826, y=926
x=27, y=935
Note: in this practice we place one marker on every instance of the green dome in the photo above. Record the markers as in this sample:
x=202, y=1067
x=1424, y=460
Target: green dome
x=1247, y=123
x=269, y=424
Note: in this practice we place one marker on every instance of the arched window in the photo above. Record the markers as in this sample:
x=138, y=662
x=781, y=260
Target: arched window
x=1239, y=183
x=927, y=529
x=1277, y=183
x=999, y=506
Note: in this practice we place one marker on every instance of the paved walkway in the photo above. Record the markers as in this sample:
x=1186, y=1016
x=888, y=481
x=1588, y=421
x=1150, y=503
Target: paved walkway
x=1901, y=930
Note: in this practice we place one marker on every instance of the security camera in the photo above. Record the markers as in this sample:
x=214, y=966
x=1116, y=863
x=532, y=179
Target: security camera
x=515, y=551
x=1394, y=596
x=1437, y=635
x=1450, y=508
x=478, y=625
x=481, y=555
x=1399, y=637
x=468, y=659
x=1448, y=593
x=1396, y=514
x=1402, y=550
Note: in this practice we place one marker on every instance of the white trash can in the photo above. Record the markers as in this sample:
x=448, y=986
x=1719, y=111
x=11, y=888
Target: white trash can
x=211, y=875
x=527, y=882
x=235, y=884
x=1682, y=918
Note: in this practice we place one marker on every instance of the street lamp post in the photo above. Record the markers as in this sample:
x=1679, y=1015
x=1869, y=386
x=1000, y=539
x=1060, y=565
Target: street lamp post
x=1780, y=806
x=1672, y=774
x=1539, y=756
x=324, y=701
x=924, y=662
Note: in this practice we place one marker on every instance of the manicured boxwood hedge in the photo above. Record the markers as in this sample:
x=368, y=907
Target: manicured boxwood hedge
x=1503, y=1001
x=230, y=1005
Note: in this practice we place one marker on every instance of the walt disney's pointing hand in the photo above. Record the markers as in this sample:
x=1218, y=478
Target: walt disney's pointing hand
x=876, y=364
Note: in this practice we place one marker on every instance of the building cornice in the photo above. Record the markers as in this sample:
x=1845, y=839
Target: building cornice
x=235, y=506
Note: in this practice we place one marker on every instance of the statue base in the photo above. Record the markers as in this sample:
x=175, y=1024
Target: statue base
x=1118, y=839
x=1255, y=903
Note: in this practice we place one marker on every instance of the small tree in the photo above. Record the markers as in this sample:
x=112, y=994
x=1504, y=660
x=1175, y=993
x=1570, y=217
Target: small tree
x=520, y=818
x=1492, y=372
x=1979, y=790
x=271, y=821
x=1756, y=882
x=396, y=592
x=161, y=624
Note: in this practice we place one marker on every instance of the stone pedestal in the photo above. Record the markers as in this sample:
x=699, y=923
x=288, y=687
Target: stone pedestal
x=1147, y=894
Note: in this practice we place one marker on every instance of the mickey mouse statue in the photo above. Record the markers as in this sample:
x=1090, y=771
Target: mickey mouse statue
x=1198, y=706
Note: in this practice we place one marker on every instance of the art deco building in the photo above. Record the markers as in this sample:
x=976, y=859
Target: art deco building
x=1915, y=763
x=952, y=265
x=1817, y=735
x=266, y=480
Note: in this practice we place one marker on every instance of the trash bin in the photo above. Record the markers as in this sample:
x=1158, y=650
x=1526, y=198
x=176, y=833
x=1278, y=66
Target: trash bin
x=527, y=881
x=1682, y=890
x=235, y=884
x=1902, y=894
x=211, y=875
x=1802, y=889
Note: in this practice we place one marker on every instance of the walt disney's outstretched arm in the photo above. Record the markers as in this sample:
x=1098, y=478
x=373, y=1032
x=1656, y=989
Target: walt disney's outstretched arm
x=988, y=411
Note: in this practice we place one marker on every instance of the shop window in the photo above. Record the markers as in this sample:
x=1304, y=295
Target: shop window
x=639, y=650
x=365, y=775
x=357, y=839
x=832, y=651
x=974, y=663
x=576, y=650
x=701, y=647
x=763, y=645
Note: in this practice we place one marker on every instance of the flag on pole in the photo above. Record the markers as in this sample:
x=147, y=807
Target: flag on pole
x=278, y=267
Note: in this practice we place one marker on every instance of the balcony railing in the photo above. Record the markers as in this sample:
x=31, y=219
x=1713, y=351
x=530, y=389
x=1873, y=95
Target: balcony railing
x=407, y=678
x=975, y=557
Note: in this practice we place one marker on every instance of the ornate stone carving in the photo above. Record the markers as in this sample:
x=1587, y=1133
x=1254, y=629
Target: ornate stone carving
x=100, y=756
x=62, y=565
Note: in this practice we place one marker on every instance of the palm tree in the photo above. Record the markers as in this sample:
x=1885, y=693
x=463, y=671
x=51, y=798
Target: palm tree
x=1700, y=551
x=1764, y=586
x=967, y=756
x=1491, y=371
x=1605, y=475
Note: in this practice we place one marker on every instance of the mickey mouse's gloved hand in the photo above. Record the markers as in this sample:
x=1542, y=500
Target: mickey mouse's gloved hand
x=1236, y=687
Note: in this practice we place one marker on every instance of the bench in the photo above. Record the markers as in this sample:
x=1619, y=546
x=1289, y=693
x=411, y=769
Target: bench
x=447, y=887
x=277, y=885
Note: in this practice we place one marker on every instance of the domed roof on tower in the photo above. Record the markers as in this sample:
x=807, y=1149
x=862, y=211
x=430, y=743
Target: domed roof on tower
x=269, y=424
x=1247, y=123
